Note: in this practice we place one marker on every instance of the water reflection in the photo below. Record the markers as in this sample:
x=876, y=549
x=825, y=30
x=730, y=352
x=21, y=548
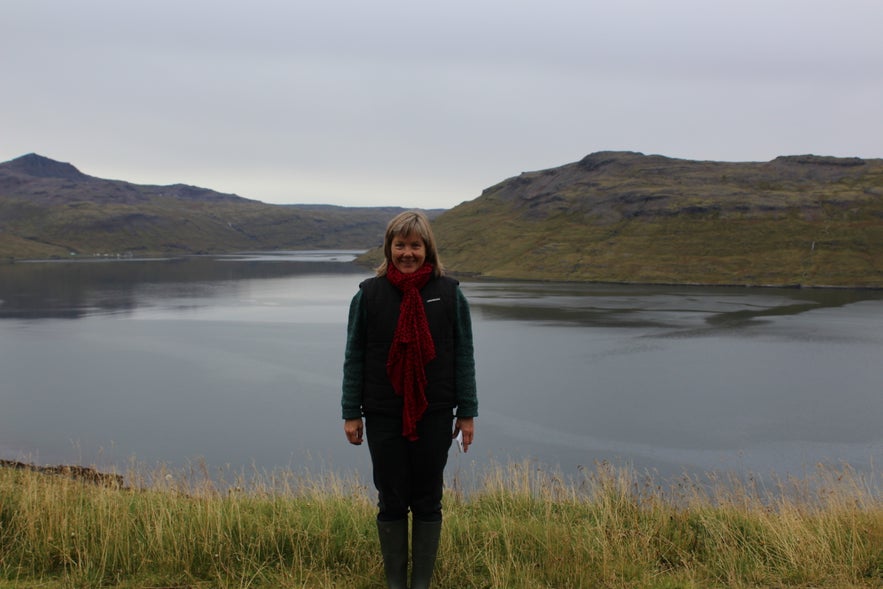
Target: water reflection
x=681, y=378
x=237, y=359
x=73, y=289
x=645, y=306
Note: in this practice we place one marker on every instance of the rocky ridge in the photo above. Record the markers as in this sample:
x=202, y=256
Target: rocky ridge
x=628, y=217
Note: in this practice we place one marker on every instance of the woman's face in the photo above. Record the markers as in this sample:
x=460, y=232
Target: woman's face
x=408, y=253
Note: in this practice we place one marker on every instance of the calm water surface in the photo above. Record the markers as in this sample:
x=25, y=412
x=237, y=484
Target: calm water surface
x=236, y=361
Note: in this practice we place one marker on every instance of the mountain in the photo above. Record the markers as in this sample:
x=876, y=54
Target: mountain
x=36, y=166
x=51, y=209
x=628, y=217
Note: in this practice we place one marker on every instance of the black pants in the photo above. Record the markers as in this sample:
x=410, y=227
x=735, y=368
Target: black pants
x=409, y=475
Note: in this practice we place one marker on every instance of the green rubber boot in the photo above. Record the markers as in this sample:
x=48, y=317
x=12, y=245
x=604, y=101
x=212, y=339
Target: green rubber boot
x=394, y=548
x=424, y=546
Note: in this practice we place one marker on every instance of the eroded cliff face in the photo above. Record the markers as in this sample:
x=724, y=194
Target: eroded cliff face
x=624, y=216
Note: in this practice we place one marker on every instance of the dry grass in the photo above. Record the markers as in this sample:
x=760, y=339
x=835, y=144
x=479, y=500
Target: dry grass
x=519, y=527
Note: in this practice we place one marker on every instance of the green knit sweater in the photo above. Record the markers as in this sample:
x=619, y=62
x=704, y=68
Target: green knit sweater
x=464, y=355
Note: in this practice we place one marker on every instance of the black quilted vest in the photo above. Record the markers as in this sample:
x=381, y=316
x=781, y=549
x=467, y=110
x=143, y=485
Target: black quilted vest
x=381, y=302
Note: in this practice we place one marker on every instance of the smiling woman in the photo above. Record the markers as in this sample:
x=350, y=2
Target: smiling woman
x=408, y=365
x=408, y=244
x=408, y=253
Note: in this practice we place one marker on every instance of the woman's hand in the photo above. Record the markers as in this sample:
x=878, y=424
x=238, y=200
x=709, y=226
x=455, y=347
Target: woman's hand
x=354, y=428
x=467, y=426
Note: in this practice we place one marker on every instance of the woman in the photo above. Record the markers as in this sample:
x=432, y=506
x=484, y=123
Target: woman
x=408, y=366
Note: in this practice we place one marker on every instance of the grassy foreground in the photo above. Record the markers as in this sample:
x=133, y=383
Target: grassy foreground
x=520, y=527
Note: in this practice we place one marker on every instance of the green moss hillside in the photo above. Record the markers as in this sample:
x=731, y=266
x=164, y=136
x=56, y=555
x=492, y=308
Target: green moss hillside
x=628, y=217
x=610, y=217
x=51, y=209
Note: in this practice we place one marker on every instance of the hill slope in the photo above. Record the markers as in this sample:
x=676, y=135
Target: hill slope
x=51, y=209
x=627, y=217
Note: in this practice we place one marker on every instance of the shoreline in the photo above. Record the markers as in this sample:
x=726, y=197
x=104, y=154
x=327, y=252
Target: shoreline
x=466, y=276
x=87, y=474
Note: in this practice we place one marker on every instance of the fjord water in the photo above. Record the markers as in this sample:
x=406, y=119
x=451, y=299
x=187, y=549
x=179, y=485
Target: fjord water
x=235, y=362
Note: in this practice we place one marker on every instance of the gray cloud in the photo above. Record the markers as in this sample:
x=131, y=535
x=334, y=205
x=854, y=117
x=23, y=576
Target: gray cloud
x=426, y=104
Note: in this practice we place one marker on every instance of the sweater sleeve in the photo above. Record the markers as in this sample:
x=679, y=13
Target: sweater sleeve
x=464, y=356
x=354, y=360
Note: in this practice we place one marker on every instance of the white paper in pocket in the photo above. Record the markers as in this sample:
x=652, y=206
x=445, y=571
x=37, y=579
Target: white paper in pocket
x=459, y=439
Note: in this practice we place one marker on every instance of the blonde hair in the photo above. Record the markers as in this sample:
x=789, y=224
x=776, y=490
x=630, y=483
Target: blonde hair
x=410, y=223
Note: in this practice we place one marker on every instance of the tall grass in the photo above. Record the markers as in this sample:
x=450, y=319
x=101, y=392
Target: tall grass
x=519, y=527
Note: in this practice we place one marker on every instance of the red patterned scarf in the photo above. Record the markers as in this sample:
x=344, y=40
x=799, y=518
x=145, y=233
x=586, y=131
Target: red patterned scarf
x=412, y=346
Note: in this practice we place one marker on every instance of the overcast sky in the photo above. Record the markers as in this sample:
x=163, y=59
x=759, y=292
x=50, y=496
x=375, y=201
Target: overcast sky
x=425, y=104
